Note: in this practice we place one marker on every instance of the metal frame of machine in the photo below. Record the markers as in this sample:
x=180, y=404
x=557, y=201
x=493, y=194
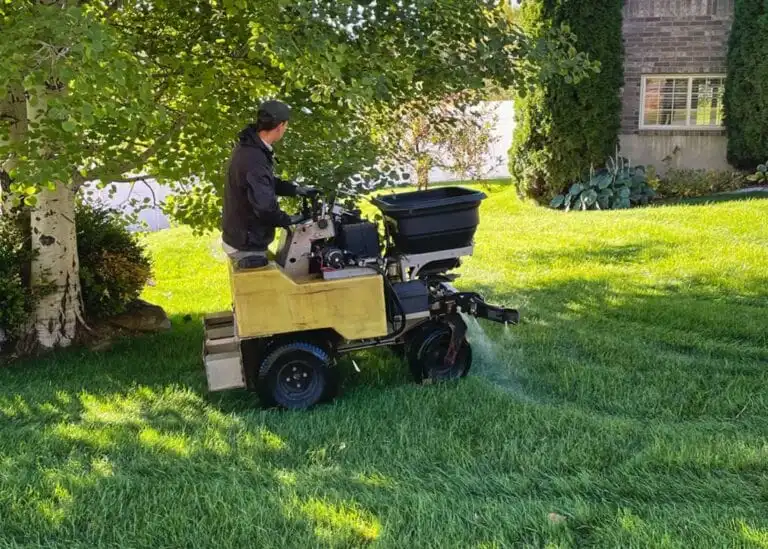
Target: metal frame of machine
x=332, y=291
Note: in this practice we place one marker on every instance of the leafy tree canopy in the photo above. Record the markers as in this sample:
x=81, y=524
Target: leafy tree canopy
x=117, y=89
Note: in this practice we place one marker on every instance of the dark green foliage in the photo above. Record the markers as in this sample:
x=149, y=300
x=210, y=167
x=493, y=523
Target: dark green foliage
x=562, y=128
x=746, y=90
x=696, y=183
x=114, y=267
x=16, y=300
x=760, y=176
x=617, y=186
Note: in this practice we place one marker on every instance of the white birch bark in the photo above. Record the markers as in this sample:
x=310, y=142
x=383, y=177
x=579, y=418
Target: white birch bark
x=55, y=267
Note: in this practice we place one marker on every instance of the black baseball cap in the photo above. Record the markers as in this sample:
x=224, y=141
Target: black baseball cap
x=274, y=111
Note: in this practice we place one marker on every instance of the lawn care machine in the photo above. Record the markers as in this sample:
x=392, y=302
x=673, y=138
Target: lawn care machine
x=337, y=285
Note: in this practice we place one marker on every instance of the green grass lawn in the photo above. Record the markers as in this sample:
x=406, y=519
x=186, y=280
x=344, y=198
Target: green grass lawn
x=632, y=403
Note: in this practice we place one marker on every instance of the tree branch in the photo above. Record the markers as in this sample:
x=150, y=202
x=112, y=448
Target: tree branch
x=152, y=191
x=145, y=155
x=130, y=192
x=133, y=179
x=150, y=151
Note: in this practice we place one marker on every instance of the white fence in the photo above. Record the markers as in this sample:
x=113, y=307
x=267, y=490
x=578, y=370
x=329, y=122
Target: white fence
x=156, y=221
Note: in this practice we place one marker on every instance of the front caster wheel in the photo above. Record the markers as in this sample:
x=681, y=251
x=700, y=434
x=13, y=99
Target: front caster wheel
x=427, y=356
x=295, y=376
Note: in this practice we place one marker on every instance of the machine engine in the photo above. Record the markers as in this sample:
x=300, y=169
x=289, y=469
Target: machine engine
x=425, y=235
x=355, y=243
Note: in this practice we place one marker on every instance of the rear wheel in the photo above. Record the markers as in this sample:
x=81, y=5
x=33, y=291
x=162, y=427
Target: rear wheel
x=427, y=355
x=398, y=350
x=296, y=375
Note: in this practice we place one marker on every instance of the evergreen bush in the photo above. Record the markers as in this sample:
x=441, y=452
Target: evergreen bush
x=746, y=89
x=563, y=129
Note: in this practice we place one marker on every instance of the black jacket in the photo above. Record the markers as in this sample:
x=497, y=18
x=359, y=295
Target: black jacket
x=251, y=211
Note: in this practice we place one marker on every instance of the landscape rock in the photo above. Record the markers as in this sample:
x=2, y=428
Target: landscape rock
x=101, y=346
x=142, y=317
x=556, y=518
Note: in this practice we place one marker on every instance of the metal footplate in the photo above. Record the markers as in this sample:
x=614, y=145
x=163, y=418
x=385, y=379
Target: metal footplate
x=221, y=352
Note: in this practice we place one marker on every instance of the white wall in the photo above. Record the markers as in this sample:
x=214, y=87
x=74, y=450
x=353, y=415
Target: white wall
x=701, y=152
x=153, y=217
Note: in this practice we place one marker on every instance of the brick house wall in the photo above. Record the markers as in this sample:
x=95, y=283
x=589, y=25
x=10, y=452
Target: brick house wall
x=672, y=37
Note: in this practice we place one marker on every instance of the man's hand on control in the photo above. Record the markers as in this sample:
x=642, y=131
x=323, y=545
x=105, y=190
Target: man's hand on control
x=310, y=192
x=296, y=219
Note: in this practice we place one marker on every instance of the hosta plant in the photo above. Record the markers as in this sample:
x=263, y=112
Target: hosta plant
x=760, y=176
x=617, y=186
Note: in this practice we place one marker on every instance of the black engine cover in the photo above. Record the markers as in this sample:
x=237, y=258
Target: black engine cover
x=413, y=296
x=359, y=239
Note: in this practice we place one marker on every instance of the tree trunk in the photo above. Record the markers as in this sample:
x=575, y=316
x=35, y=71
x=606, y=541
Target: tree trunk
x=423, y=165
x=13, y=112
x=55, y=269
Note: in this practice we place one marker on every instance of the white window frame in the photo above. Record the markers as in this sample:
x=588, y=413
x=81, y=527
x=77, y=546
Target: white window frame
x=688, y=127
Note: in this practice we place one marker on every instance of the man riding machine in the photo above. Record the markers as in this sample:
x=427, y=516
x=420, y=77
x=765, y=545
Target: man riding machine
x=336, y=284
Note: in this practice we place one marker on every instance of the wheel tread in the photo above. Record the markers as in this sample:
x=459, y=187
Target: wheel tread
x=296, y=345
x=415, y=360
x=268, y=363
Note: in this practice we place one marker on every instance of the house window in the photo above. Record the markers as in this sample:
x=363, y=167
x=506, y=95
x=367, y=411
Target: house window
x=682, y=102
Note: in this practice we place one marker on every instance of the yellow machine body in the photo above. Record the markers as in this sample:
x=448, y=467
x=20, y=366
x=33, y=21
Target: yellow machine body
x=268, y=302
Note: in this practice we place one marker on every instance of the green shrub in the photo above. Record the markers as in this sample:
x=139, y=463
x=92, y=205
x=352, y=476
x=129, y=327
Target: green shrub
x=760, y=176
x=694, y=183
x=617, y=186
x=563, y=128
x=746, y=90
x=16, y=299
x=114, y=266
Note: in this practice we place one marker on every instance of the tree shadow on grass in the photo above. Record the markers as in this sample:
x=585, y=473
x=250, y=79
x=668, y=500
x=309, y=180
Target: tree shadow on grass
x=624, y=254
x=695, y=351
x=642, y=402
x=445, y=466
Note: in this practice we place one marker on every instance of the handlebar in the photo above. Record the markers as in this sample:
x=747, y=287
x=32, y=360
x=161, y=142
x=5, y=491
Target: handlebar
x=315, y=207
x=318, y=206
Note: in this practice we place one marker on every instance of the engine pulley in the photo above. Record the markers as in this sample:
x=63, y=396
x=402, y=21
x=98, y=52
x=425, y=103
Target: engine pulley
x=333, y=258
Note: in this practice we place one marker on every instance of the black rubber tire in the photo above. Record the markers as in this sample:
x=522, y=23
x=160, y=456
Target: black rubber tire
x=413, y=339
x=398, y=350
x=296, y=376
x=427, y=351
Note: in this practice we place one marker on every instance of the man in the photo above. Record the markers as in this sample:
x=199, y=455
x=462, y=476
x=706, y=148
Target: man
x=251, y=210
